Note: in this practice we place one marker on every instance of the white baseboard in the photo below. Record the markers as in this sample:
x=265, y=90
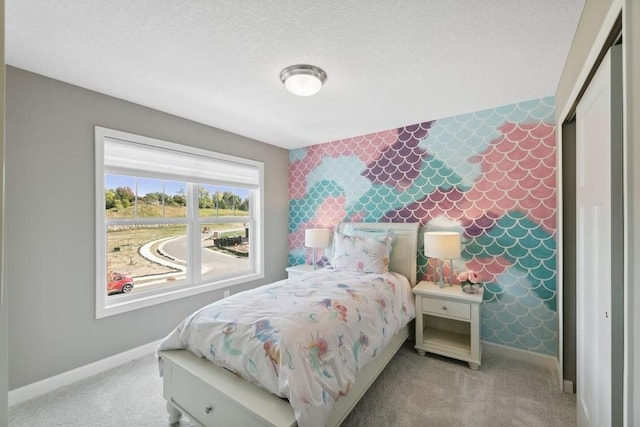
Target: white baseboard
x=526, y=356
x=29, y=391
x=567, y=386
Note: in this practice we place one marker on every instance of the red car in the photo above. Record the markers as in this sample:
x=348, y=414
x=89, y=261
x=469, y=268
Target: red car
x=118, y=283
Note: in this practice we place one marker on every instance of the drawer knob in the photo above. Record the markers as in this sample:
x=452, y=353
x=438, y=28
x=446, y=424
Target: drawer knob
x=444, y=307
x=208, y=409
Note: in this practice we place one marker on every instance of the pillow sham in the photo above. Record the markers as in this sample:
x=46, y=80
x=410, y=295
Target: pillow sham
x=361, y=253
x=354, y=230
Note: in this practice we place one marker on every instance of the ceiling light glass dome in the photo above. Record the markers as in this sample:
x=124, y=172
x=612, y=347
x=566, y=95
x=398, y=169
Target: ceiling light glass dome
x=303, y=80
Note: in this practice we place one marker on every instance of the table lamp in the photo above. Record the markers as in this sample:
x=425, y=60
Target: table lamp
x=442, y=245
x=316, y=238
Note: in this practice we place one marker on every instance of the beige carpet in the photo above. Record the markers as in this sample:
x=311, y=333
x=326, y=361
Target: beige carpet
x=436, y=391
x=411, y=391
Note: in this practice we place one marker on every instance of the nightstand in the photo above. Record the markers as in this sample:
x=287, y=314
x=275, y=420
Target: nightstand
x=296, y=270
x=448, y=322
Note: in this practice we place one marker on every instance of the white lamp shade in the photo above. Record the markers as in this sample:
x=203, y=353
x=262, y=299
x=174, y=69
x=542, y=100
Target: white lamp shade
x=317, y=237
x=442, y=244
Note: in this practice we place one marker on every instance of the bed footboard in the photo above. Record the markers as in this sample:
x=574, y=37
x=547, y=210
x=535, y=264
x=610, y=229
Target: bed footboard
x=213, y=396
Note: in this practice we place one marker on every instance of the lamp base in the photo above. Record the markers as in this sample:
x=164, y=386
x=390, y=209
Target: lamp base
x=314, y=258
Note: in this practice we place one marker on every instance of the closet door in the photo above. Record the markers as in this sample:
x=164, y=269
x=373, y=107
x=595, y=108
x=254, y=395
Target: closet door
x=594, y=245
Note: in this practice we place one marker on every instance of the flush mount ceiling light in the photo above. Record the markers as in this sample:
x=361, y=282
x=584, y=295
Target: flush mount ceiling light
x=303, y=80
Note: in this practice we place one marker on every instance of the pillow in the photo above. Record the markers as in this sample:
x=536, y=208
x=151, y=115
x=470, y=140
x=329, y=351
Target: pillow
x=354, y=230
x=365, y=254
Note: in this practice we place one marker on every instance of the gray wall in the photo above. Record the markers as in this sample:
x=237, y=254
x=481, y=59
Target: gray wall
x=50, y=256
x=632, y=209
x=4, y=311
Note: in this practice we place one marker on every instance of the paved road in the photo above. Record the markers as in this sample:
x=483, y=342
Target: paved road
x=213, y=262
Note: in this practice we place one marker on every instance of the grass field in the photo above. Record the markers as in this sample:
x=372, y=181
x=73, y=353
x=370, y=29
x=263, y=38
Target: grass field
x=145, y=210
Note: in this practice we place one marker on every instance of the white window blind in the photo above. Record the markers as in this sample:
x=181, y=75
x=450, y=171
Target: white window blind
x=174, y=163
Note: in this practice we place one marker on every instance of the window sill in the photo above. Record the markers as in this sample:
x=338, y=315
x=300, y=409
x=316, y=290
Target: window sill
x=107, y=308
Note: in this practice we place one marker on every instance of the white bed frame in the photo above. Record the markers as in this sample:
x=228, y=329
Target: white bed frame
x=213, y=396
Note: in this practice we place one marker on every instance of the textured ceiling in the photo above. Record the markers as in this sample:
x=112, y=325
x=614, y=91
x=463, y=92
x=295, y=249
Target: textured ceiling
x=389, y=63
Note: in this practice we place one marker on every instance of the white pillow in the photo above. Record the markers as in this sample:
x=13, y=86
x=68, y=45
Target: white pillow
x=363, y=253
x=355, y=230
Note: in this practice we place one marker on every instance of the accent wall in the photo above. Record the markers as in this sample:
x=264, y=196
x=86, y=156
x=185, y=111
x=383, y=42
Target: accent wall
x=490, y=175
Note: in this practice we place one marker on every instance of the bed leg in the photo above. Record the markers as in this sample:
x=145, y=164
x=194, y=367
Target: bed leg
x=174, y=414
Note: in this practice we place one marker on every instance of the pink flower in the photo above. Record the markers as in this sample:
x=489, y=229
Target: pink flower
x=469, y=277
x=473, y=277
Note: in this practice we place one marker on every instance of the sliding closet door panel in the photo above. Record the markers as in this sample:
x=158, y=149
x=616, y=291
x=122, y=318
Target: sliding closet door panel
x=593, y=251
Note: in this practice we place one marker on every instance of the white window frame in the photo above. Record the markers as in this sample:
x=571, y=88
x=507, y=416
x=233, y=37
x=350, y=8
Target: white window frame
x=116, y=304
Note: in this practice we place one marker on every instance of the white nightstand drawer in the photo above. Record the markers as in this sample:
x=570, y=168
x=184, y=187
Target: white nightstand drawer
x=446, y=308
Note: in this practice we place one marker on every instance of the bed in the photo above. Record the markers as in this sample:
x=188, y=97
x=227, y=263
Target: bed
x=212, y=395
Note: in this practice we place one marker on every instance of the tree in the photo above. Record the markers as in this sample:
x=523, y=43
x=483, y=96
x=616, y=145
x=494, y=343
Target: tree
x=154, y=198
x=204, y=199
x=110, y=199
x=120, y=198
x=179, y=200
x=229, y=200
x=125, y=193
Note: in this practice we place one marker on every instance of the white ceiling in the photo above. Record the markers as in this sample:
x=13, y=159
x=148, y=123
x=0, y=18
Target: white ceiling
x=389, y=63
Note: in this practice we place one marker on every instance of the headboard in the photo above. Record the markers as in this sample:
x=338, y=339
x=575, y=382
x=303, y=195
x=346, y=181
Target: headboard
x=404, y=250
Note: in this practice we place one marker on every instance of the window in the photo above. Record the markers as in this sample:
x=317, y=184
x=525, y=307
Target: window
x=172, y=221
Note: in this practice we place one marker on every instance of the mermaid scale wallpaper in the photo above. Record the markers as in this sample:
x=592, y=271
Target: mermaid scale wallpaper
x=490, y=175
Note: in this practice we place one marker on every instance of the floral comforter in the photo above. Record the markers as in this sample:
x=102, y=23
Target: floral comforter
x=303, y=338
